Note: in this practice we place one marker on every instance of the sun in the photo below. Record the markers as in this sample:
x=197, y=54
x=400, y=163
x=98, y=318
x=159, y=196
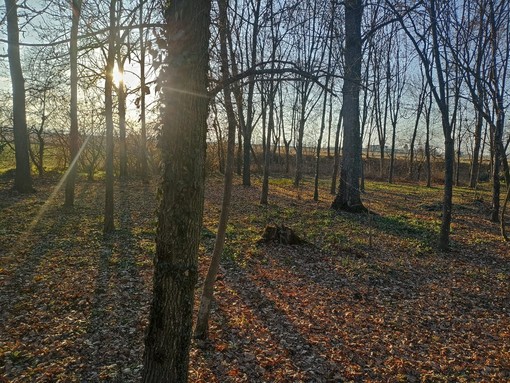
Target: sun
x=118, y=76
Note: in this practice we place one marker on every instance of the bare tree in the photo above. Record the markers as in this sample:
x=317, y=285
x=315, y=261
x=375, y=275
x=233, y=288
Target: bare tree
x=329, y=71
x=349, y=194
x=485, y=59
x=74, y=129
x=419, y=112
x=23, y=178
x=425, y=19
x=397, y=82
x=201, y=328
x=182, y=142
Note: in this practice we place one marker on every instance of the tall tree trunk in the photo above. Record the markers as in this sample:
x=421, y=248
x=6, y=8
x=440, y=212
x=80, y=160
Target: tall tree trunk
x=23, y=178
x=349, y=195
x=319, y=147
x=182, y=143
x=330, y=119
x=74, y=135
x=300, y=136
x=239, y=153
x=143, y=91
x=121, y=93
x=336, y=154
x=382, y=137
x=202, y=326
x=449, y=158
x=121, y=99
x=267, y=149
x=108, y=224
x=421, y=102
x=250, y=110
x=238, y=97
x=475, y=165
x=496, y=169
x=392, y=152
x=449, y=144
x=428, y=160
x=324, y=108
x=458, y=152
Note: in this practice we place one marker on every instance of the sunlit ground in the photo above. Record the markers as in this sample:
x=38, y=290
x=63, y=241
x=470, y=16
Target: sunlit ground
x=336, y=309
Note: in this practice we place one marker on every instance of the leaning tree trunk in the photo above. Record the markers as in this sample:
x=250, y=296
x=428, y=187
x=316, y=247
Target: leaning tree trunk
x=182, y=143
x=349, y=194
x=202, y=326
x=23, y=178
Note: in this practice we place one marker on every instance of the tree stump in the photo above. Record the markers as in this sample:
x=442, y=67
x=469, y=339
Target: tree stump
x=280, y=234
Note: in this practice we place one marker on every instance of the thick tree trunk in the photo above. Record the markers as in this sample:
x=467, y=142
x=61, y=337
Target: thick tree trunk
x=182, y=143
x=23, y=178
x=349, y=195
x=108, y=223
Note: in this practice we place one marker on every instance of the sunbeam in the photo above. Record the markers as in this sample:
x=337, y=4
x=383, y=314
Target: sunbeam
x=57, y=188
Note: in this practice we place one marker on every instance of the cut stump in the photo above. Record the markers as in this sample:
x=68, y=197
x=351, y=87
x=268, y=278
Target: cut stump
x=280, y=234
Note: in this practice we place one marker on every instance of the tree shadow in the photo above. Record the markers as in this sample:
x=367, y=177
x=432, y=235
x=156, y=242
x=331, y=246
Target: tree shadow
x=120, y=303
x=305, y=359
x=428, y=303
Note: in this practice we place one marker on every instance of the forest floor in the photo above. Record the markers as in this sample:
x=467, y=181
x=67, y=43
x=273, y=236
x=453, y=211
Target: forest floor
x=366, y=299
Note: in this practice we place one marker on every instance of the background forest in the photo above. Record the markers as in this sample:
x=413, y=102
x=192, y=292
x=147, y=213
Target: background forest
x=355, y=158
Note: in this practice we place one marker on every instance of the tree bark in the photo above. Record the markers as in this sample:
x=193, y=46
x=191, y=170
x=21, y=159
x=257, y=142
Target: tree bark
x=182, y=143
x=23, y=178
x=108, y=223
x=349, y=195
